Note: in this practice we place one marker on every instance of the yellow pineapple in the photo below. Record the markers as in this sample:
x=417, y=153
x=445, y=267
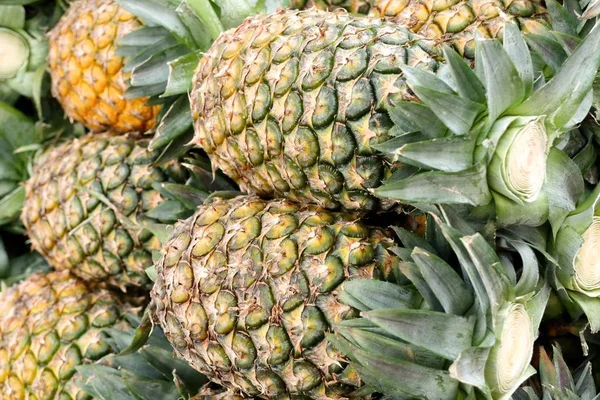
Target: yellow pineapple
x=87, y=75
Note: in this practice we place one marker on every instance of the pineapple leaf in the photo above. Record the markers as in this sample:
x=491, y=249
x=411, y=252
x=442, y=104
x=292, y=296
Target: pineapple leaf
x=181, y=71
x=162, y=13
x=421, y=118
x=12, y=17
x=443, y=334
x=467, y=83
x=411, y=271
x=457, y=113
x=568, y=42
x=155, y=70
x=411, y=240
x=419, y=77
x=449, y=288
x=530, y=275
x=469, y=368
x=465, y=187
x=509, y=212
x=564, y=186
x=503, y=84
x=175, y=123
x=399, y=379
x=592, y=10
x=517, y=50
x=11, y=205
x=549, y=49
x=590, y=306
x=143, y=37
x=489, y=269
x=561, y=19
x=454, y=237
x=380, y=294
x=449, y=154
x=203, y=10
x=537, y=305
x=375, y=343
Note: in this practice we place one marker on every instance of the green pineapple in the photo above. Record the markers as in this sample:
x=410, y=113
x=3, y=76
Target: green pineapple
x=254, y=294
x=453, y=22
x=325, y=107
x=251, y=286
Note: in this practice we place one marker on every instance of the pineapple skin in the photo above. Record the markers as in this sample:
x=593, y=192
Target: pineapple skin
x=291, y=104
x=247, y=289
x=455, y=22
x=86, y=72
x=452, y=22
x=50, y=324
x=85, y=202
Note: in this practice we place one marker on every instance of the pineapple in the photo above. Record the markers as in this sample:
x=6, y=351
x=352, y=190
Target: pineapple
x=246, y=291
x=325, y=107
x=87, y=201
x=293, y=103
x=263, y=297
x=87, y=73
x=50, y=324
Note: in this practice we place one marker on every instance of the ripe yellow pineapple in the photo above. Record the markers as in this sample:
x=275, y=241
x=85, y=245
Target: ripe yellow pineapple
x=87, y=76
x=50, y=324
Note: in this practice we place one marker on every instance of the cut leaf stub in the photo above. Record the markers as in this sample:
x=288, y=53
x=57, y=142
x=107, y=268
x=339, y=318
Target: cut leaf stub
x=520, y=161
x=510, y=359
x=14, y=53
x=587, y=261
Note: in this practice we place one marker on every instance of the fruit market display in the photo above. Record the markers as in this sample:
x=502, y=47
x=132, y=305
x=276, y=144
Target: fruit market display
x=290, y=200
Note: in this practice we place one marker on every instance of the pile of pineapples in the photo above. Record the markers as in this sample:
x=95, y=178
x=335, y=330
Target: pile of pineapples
x=355, y=199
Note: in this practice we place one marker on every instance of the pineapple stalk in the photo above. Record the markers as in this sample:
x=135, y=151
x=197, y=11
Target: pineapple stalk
x=24, y=47
x=518, y=167
x=586, y=264
x=509, y=360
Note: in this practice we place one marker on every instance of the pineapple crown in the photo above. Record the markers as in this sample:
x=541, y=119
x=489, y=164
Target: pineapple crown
x=569, y=245
x=574, y=264
x=483, y=135
x=449, y=326
x=557, y=381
